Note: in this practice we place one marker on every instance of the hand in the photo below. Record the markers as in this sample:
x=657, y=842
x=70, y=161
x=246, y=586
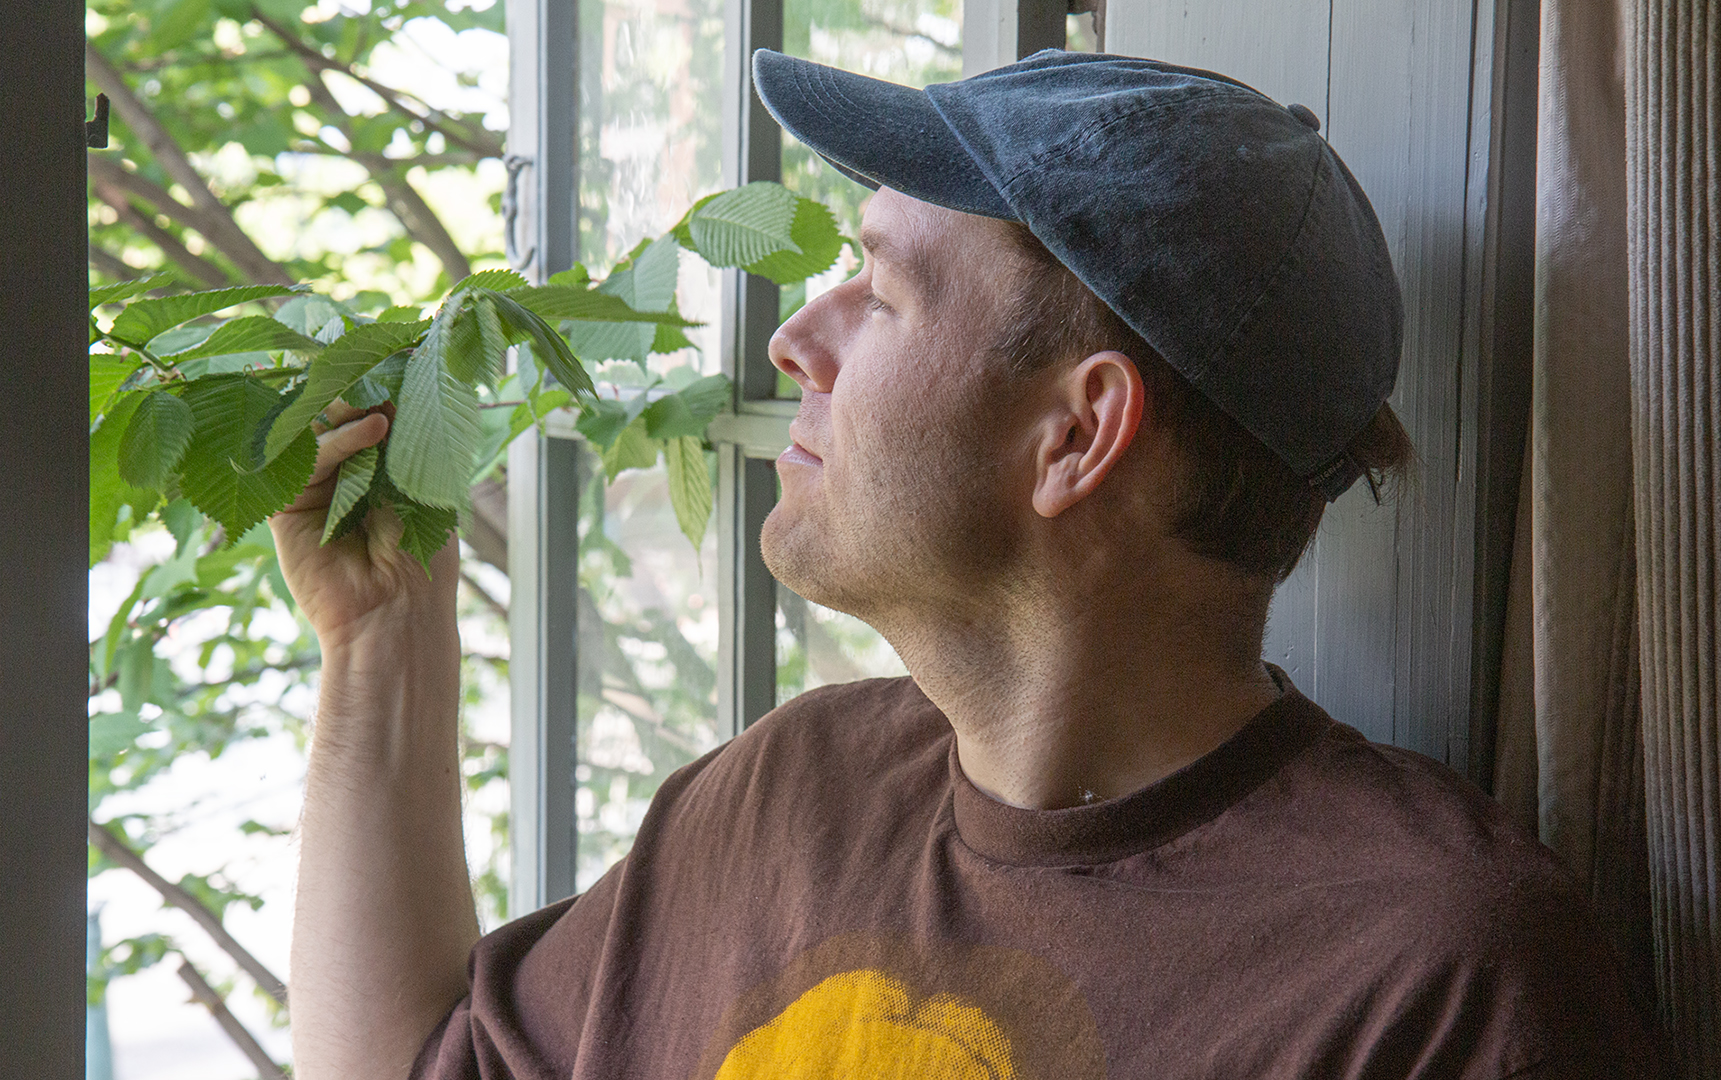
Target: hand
x=363, y=581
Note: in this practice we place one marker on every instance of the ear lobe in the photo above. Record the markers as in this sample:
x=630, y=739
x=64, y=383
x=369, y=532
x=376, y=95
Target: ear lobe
x=1100, y=403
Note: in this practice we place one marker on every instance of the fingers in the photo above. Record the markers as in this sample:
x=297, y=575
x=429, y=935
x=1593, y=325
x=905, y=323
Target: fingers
x=334, y=447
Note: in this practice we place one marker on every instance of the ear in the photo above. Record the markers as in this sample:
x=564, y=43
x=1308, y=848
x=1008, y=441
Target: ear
x=1095, y=412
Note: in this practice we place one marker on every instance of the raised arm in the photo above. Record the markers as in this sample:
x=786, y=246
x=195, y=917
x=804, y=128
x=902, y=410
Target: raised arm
x=383, y=918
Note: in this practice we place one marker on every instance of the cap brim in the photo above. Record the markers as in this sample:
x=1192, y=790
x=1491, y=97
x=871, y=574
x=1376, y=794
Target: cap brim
x=878, y=133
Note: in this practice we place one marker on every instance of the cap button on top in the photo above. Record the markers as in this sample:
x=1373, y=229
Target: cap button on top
x=1306, y=115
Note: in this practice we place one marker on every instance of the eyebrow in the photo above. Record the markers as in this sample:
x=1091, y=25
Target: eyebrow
x=907, y=259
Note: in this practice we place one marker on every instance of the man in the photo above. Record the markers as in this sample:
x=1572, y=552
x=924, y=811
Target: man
x=1121, y=331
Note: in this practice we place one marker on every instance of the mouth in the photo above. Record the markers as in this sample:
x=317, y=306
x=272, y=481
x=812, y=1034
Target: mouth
x=796, y=454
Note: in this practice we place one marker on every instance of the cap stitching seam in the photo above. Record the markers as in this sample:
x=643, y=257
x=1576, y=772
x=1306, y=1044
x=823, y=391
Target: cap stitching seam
x=1098, y=127
x=1205, y=365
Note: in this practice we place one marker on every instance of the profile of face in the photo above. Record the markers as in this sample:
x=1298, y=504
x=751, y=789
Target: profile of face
x=909, y=473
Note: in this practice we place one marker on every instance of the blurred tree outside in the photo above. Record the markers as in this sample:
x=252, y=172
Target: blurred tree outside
x=357, y=147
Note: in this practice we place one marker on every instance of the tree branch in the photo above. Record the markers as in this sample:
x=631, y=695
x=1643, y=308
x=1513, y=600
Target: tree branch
x=112, y=265
x=484, y=594
x=195, y=265
x=218, y=226
x=404, y=201
x=480, y=142
x=267, y=1069
x=117, y=850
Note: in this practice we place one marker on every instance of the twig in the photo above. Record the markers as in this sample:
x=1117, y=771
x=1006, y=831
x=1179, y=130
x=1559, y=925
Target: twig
x=116, y=849
x=217, y=226
x=244, y=1040
x=431, y=118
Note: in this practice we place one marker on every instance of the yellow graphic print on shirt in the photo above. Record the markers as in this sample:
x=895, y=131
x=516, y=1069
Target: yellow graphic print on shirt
x=869, y=1006
x=867, y=1024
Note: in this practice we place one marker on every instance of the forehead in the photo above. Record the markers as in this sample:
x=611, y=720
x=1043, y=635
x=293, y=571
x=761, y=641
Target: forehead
x=940, y=250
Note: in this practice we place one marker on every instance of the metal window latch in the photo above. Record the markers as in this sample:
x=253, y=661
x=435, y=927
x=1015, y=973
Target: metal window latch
x=515, y=164
x=96, y=131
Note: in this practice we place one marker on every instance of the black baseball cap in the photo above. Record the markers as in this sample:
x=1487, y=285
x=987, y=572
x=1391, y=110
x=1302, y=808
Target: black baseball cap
x=1218, y=224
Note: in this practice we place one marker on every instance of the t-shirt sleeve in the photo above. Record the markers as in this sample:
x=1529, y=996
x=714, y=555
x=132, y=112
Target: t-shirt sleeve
x=511, y=1025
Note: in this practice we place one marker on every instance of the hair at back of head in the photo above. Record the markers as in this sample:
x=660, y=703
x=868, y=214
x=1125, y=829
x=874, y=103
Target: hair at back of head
x=1238, y=502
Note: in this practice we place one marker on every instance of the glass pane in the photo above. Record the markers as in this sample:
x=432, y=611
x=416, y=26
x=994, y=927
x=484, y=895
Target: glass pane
x=915, y=42
x=647, y=660
x=816, y=646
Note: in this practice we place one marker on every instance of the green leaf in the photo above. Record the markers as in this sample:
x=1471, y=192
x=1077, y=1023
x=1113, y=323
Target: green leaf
x=308, y=312
x=435, y=433
x=548, y=345
x=587, y=305
x=633, y=449
x=178, y=23
x=228, y=410
x=352, y=487
x=500, y=280
x=355, y=354
x=688, y=412
x=689, y=486
x=427, y=529
x=125, y=290
x=648, y=283
x=815, y=233
x=253, y=333
x=743, y=226
x=111, y=733
x=150, y=449
x=107, y=373
x=400, y=314
x=670, y=339
x=144, y=320
x=477, y=346
x=575, y=276
x=108, y=490
x=602, y=421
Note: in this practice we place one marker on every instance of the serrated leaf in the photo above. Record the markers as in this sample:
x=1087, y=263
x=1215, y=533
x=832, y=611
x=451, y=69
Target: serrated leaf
x=597, y=342
x=588, y=305
x=575, y=276
x=435, y=433
x=815, y=232
x=633, y=449
x=668, y=339
x=107, y=373
x=144, y=320
x=602, y=421
x=648, y=283
x=687, y=412
x=108, y=490
x=354, y=484
x=308, y=312
x=153, y=442
x=125, y=290
x=743, y=226
x=689, y=486
x=228, y=409
x=427, y=529
x=339, y=366
x=479, y=356
x=500, y=280
x=680, y=231
x=253, y=333
x=549, y=346
x=400, y=314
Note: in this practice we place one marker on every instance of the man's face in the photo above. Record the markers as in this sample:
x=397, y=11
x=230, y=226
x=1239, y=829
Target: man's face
x=905, y=478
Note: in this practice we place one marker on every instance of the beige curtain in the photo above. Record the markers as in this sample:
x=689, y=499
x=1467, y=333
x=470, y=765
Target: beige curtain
x=1569, y=751
x=1673, y=133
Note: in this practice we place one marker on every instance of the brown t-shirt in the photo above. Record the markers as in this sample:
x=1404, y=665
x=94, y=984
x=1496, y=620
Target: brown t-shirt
x=827, y=896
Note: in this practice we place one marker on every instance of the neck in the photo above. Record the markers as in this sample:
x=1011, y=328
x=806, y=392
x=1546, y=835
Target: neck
x=1064, y=694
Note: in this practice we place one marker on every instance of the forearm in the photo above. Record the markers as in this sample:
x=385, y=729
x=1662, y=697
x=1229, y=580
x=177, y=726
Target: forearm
x=384, y=918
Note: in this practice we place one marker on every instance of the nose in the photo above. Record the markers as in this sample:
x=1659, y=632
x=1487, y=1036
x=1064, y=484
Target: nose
x=804, y=347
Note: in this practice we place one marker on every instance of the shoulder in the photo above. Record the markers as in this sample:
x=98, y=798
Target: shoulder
x=1447, y=915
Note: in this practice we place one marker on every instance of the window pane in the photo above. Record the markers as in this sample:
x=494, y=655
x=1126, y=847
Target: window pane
x=816, y=646
x=647, y=662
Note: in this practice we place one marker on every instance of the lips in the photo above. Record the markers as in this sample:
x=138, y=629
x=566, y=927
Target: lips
x=796, y=454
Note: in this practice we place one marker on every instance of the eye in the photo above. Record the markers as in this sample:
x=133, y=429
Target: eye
x=873, y=303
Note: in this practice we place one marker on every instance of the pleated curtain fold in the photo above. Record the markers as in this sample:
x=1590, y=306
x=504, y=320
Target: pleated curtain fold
x=1673, y=143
